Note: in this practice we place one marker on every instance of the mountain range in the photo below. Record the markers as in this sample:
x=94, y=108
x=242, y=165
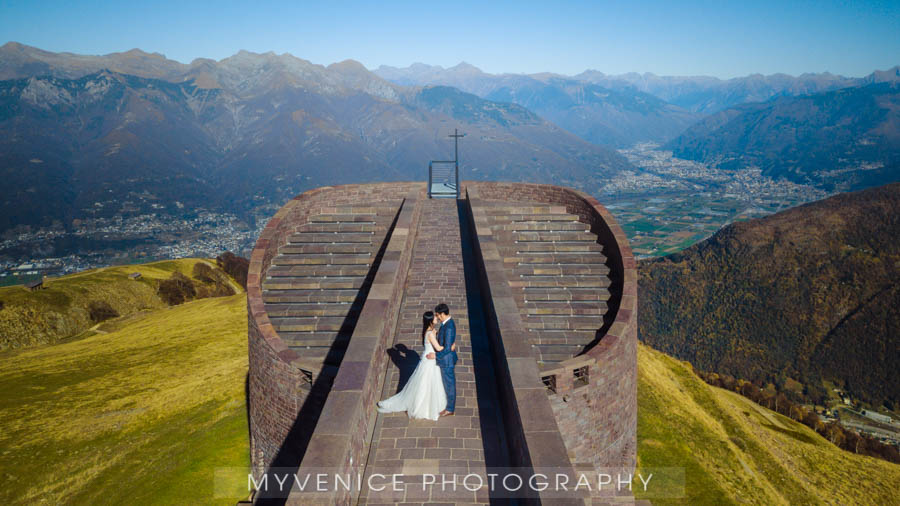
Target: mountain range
x=706, y=95
x=616, y=117
x=133, y=132
x=810, y=294
x=838, y=140
x=627, y=108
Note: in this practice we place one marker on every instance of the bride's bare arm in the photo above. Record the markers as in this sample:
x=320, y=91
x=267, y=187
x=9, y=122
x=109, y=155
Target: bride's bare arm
x=432, y=338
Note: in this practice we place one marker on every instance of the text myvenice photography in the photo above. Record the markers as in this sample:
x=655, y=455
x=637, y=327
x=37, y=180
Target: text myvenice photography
x=664, y=482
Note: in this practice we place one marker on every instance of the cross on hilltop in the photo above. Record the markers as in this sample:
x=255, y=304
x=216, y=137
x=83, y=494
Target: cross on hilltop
x=443, y=175
x=456, y=137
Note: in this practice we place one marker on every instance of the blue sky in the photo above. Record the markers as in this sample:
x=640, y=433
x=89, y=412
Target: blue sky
x=719, y=38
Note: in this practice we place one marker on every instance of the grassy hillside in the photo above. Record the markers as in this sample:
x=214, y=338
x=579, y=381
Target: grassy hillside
x=143, y=414
x=153, y=411
x=61, y=310
x=735, y=451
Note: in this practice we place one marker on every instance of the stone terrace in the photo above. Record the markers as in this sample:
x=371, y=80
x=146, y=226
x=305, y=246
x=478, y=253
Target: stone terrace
x=542, y=286
x=452, y=444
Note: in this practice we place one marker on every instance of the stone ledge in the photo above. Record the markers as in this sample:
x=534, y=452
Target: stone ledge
x=281, y=381
x=343, y=433
x=530, y=423
x=600, y=413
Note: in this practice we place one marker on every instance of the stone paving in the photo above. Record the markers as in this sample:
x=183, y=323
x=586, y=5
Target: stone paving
x=453, y=444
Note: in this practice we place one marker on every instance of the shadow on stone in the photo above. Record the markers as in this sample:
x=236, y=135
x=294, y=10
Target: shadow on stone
x=291, y=453
x=490, y=416
x=406, y=360
x=247, y=403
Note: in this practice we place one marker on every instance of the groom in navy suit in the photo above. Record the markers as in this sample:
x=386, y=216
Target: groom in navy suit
x=446, y=358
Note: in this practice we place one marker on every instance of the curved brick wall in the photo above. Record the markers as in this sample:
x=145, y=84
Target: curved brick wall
x=590, y=425
x=597, y=421
x=277, y=388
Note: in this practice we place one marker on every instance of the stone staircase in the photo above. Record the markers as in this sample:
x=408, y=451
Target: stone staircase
x=316, y=285
x=558, y=275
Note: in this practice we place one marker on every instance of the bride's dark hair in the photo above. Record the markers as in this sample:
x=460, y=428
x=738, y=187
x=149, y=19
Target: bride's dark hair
x=427, y=319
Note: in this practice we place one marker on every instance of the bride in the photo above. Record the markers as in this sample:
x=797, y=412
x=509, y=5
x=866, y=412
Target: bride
x=423, y=396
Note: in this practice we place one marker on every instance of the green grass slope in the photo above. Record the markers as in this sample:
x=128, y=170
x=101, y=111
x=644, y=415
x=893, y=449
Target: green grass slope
x=61, y=310
x=734, y=451
x=143, y=414
x=153, y=411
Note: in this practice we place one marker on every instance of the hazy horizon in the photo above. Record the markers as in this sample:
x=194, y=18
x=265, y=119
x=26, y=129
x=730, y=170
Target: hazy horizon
x=691, y=39
x=447, y=67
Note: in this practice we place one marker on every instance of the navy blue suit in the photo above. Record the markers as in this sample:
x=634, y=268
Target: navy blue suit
x=446, y=360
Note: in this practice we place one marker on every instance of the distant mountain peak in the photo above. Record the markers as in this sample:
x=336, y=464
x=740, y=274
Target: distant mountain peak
x=138, y=53
x=348, y=65
x=202, y=61
x=249, y=57
x=244, y=54
x=465, y=67
x=17, y=49
x=424, y=66
x=891, y=75
x=13, y=46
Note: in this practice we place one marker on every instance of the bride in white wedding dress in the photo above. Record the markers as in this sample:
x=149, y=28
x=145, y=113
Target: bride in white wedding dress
x=423, y=396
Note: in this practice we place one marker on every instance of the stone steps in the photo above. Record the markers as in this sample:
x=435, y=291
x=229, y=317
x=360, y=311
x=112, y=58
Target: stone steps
x=506, y=209
x=553, y=226
x=330, y=238
x=543, y=293
x=311, y=323
x=321, y=270
x=533, y=218
x=303, y=339
x=312, y=309
x=359, y=209
x=579, y=281
x=554, y=353
x=570, y=308
x=563, y=322
x=323, y=259
x=531, y=257
x=323, y=227
x=556, y=247
x=560, y=269
x=572, y=337
x=363, y=249
x=555, y=236
x=312, y=290
x=558, y=274
x=342, y=218
x=286, y=283
x=302, y=296
x=326, y=355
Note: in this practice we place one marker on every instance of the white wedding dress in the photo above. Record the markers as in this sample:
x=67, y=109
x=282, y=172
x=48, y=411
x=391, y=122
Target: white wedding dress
x=423, y=396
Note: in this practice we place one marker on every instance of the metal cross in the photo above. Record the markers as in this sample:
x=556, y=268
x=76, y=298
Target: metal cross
x=456, y=136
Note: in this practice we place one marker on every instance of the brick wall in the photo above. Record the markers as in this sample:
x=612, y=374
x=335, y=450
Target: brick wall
x=340, y=443
x=598, y=421
x=535, y=438
x=278, y=389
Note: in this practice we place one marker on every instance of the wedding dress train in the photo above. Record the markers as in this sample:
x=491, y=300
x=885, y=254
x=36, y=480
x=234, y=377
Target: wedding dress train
x=423, y=396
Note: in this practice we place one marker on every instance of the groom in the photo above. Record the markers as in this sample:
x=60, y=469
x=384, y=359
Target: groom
x=446, y=358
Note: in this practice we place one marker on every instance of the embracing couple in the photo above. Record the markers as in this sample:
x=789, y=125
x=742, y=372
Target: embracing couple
x=430, y=391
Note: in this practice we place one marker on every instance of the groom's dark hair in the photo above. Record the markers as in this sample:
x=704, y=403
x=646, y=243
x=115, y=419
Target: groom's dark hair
x=442, y=308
